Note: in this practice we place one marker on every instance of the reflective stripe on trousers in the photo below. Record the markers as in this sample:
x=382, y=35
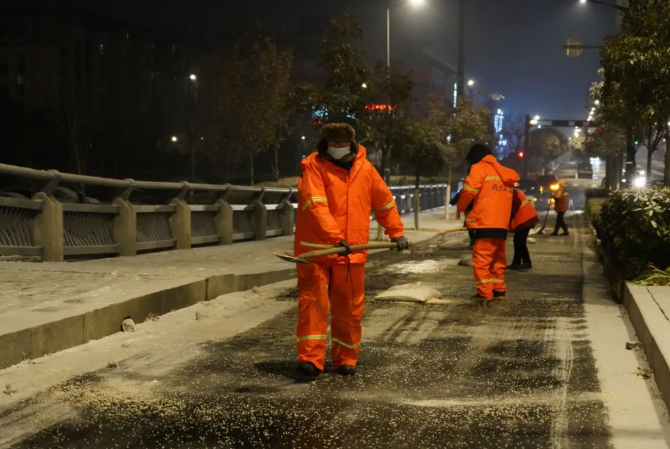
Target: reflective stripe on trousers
x=342, y=287
x=489, y=262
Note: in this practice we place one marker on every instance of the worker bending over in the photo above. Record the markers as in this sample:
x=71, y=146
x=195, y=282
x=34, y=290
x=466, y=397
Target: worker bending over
x=561, y=201
x=524, y=218
x=338, y=189
x=489, y=187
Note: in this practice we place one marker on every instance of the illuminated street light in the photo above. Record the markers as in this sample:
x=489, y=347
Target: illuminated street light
x=597, y=102
x=364, y=85
x=471, y=83
x=193, y=77
x=303, y=138
x=416, y=2
x=174, y=138
x=537, y=117
x=583, y=2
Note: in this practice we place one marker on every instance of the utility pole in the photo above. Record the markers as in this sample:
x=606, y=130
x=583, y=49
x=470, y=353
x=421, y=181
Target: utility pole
x=526, y=148
x=460, y=76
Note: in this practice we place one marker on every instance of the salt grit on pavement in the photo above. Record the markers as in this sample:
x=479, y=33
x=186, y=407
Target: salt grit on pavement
x=543, y=368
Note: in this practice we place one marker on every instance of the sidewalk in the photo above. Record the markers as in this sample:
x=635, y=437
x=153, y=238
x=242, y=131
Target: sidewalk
x=48, y=307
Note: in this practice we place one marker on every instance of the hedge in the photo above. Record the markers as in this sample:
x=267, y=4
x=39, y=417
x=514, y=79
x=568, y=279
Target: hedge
x=599, y=192
x=634, y=227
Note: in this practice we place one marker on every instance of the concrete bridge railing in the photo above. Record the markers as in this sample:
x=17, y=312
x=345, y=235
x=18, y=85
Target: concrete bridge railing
x=43, y=219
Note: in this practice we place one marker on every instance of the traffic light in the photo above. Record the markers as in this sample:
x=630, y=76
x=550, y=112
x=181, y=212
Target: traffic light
x=521, y=154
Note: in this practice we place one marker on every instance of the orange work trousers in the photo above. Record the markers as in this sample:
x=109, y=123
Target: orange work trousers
x=342, y=287
x=489, y=260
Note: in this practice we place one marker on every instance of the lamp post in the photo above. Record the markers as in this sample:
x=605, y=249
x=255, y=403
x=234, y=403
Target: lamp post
x=389, y=4
x=621, y=6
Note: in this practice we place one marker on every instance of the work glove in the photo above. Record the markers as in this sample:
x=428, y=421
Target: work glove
x=402, y=242
x=344, y=244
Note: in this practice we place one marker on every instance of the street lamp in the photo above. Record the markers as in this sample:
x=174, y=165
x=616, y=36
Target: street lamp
x=471, y=83
x=388, y=27
x=619, y=8
x=174, y=138
x=389, y=3
x=193, y=77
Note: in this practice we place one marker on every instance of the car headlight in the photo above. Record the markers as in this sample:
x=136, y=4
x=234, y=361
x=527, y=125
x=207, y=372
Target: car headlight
x=640, y=182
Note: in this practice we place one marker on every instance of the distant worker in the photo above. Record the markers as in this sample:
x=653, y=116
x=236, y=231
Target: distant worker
x=524, y=218
x=561, y=201
x=489, y=187
x=337, y=190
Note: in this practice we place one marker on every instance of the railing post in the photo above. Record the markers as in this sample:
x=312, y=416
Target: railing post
x=124, y=228
x=180, y=223
x=287, y=220
x=48, y=228
x=224, y=222
x=260, y=219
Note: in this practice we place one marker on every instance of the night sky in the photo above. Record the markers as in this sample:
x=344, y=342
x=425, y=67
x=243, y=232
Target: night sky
x=514, y=47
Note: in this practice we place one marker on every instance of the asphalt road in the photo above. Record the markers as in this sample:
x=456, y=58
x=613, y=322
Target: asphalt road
x=517, y=373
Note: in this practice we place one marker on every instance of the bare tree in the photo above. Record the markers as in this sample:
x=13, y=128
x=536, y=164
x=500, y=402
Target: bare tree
x=68, y=122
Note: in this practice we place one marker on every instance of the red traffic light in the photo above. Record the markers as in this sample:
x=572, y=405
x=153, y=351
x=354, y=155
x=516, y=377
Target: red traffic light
x=521, y=154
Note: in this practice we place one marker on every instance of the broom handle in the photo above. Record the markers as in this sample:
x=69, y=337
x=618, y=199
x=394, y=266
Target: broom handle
x=338, y=250
x=379, y=245
x=449, y=231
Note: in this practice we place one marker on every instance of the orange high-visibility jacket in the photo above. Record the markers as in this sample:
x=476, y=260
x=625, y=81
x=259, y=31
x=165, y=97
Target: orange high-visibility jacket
x=489, y=186
x=561, y=201
x=335, y=204
x=524, y=214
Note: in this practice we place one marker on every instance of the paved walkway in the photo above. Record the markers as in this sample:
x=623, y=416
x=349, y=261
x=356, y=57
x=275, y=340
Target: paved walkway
x=544, y=368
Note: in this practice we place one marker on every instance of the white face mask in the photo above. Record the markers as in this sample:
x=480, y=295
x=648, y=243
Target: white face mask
x=338, y=153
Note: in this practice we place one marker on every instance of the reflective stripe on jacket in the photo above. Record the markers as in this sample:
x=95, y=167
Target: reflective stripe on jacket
x=524, y=214
x=489, y=187
x=335, y=204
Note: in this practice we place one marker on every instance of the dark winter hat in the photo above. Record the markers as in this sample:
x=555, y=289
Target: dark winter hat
x=478, y=152
x=339, y=131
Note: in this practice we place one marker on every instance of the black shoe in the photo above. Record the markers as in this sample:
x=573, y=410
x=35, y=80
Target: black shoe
x=308, y=370
x=346, y=370
x=499, y=295
x=526, y=266
x=554, y=234
x=514, y=266
x=565, y=234
x=480, y=298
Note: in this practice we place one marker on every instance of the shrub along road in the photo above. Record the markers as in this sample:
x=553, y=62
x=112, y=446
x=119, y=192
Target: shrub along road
x=546, y=367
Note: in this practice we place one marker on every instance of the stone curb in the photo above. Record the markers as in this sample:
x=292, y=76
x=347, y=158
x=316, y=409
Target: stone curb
x=84, y=326
x=652, y=328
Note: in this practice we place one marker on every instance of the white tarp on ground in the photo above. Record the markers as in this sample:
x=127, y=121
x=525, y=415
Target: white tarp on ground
x=409, y=292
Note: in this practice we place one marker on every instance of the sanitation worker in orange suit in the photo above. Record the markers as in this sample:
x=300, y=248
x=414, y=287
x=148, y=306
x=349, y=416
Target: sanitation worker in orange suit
x=338, y=189
x=489, y=187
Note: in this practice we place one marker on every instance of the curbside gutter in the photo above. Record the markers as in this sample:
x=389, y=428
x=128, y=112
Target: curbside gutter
x=649, y=311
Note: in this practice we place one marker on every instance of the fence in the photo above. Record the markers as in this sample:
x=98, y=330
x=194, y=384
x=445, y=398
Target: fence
x=141, y=216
